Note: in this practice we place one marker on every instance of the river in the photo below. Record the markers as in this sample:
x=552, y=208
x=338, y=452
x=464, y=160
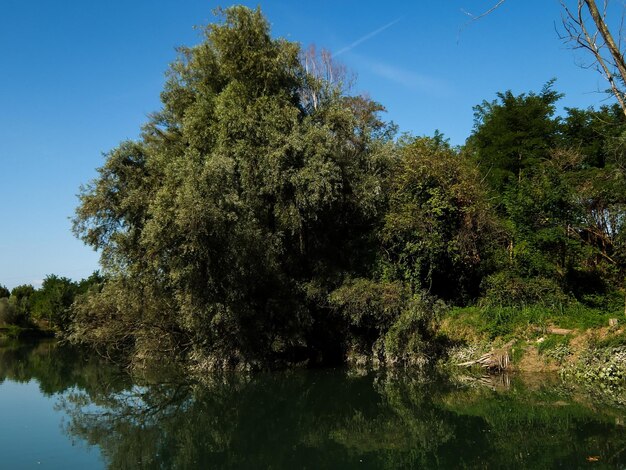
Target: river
x=63, y=408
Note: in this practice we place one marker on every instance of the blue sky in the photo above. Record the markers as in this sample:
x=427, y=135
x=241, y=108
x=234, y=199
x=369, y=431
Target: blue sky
x=78, y=77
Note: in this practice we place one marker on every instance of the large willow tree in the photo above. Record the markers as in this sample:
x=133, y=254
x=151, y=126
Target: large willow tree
x=244, y=202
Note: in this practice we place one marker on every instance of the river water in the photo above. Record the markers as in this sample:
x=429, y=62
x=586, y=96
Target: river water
x=62, y=408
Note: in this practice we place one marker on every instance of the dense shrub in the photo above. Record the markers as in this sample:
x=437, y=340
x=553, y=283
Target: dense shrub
x=10, y=314
x=386, y=321
x=504, y=289
x=407, y=342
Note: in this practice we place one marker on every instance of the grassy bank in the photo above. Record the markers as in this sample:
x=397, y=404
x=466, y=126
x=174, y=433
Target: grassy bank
x=579, y=342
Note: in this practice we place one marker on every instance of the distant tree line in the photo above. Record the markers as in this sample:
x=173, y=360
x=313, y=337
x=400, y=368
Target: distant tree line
x=266, y=216
x=48, y=306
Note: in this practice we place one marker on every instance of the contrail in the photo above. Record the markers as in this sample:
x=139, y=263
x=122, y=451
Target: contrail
x=366, y=37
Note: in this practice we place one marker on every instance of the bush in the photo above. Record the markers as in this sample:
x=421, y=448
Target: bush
x=385, y=320
x=405, y=343
x=370, y=304
x=9, y=314
x=506, y=290
x=604, y=366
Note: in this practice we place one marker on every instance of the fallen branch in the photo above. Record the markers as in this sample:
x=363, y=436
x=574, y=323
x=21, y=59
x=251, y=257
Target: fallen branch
x=554, y=331
x=495, y=360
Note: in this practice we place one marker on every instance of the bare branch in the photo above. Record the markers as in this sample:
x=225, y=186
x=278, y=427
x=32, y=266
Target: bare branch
x=477, y=17
x=324, y=77
x=594, y=36
x=585, y=27
x=599, y=20
x=488, y=12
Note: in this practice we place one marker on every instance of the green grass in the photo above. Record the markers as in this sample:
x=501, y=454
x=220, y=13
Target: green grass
x=465, y=324
x=610, y=342
x=552, y=342
x=518, y=350
x=555, y=347
x=510, y=322
x=579, y=316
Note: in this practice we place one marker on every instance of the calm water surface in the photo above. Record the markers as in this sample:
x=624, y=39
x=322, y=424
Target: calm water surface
x=60, y=408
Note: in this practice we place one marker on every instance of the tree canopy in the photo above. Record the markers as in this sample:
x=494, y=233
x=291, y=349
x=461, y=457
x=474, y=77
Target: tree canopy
x=240, y=205
x=4, y=292
x=266, y=216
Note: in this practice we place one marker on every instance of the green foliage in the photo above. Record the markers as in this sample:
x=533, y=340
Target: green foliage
x=370, y=304
x=13, y=313
x=23, y=291
x=265, y=216
x=541, y=210
x=23, y=296
x=4, y=292
x=53, y=301
x=504, y=289
x=387, y=321
x=239, y=197
x=13, y=331
x=111, y=313
x=510, y=321
x=610, y=341
x=577, y=315
x=9, y=314
x=439, y=228
x=514, y=133
x=558, y=184
x=594, y=133
x=512, y=304
x=602, y=366
x=407, y=342
x=514, y=321
x=49, y=306
x=555, y=346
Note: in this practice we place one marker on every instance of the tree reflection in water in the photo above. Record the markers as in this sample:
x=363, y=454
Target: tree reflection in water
x=318, y=419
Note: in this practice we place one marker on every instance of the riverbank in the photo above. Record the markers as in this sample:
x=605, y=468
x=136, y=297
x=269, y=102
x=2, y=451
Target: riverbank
x=582, y=349
x=19, y=332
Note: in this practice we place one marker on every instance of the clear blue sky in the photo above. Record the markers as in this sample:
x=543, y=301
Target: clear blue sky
x=77, y=77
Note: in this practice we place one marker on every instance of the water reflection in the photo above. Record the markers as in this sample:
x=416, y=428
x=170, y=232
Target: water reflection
x=321, y=419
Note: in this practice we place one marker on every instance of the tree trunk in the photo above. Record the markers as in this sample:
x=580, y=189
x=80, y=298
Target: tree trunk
x=618, y=58
x=616, y=55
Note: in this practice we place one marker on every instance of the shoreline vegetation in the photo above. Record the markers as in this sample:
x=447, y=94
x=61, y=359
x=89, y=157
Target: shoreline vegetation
x=269, y=218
